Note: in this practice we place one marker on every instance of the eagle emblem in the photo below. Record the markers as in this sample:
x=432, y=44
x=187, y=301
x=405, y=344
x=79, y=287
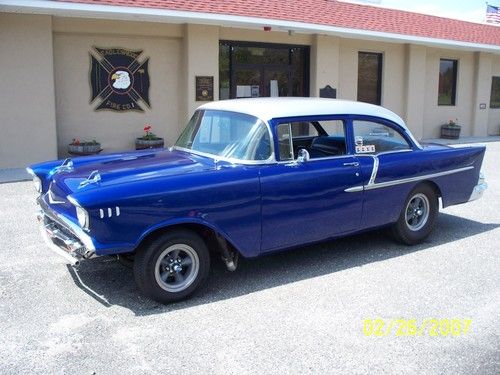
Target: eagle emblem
x=119, y=81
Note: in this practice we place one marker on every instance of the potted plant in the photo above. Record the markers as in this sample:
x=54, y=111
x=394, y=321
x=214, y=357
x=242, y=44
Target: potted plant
x=148, y=140
x=450, y=130
x=77, y=147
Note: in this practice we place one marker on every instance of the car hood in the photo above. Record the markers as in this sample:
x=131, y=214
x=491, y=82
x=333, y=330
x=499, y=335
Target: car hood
x=122, y=168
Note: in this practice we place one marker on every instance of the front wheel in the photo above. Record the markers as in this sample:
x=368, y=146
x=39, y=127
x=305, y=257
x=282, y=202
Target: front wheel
x=418, y=217
x=172, y=266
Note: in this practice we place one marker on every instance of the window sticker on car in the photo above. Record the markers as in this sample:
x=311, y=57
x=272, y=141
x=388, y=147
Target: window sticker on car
x=365, y=149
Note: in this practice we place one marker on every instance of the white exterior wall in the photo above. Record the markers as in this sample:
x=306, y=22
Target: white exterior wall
x=393, y=72
x=27, y=115
x=436, y=115
x=76, y=117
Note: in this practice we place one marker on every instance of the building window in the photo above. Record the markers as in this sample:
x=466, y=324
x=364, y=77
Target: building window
x=447, y=82
x=370, y=77
x=495, y=92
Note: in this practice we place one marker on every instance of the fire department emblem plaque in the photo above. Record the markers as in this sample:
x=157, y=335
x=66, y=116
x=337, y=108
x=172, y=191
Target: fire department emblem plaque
x=119, y=80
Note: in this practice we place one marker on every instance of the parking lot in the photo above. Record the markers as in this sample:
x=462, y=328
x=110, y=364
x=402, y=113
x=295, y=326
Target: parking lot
x=298, y=312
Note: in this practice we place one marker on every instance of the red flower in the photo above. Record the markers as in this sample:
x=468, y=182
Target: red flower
x=147, y=128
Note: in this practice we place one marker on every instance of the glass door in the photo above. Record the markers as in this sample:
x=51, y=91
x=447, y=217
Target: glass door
x=253, y=70
x=277, y=82
x=261, y=82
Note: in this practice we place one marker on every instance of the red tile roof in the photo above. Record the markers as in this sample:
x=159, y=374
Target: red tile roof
x=330, y=13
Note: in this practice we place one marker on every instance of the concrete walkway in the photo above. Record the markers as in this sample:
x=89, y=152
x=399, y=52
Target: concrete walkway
x=13, y=175
x=20, y=174
x=464, y=140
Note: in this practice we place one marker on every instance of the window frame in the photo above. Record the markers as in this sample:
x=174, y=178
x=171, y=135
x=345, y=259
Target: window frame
x=454, y=83
x=315, y=121
x=290, y=141
x=305, y=51
x=380, y=57
x=378, y=120
x=491, y=92
x=198, y=117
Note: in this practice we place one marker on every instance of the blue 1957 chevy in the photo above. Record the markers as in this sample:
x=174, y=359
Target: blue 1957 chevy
x=241, y=175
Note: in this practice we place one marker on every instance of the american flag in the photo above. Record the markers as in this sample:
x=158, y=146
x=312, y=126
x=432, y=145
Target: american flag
x=492, y=14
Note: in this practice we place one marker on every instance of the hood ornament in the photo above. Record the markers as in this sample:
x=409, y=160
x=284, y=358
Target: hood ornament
x=66, y=166
x=93, y=178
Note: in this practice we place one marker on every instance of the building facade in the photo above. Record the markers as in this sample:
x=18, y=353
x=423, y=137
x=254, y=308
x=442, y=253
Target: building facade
x=58, y=58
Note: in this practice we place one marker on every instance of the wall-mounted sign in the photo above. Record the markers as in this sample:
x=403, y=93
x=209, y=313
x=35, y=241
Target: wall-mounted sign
x=119, y=81
x=328, y=92
x=204, y=88
x=482, y=105
x=255, y=90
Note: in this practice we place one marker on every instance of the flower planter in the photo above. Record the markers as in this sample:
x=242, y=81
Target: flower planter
x=141, y=144
x=450, y=131
x=84, y=148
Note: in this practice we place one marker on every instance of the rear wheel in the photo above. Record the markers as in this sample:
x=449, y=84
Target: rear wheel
x=418, y=217
x=172, y=266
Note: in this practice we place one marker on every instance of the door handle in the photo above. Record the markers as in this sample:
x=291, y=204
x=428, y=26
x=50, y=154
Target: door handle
x=351, y=164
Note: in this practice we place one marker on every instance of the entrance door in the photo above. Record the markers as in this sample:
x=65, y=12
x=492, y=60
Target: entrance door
x=252, y=70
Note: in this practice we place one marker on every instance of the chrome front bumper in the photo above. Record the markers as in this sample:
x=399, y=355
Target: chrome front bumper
x=61, y=239
x=479, y=189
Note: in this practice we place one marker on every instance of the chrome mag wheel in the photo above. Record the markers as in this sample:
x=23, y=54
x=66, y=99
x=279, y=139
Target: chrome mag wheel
x=177, y=268
x=417, y=212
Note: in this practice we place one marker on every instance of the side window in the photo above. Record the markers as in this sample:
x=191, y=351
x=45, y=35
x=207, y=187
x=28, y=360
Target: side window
x=303, y=129
x=373, y=138
x=284, y=132
x=332, y=144
x=310, y=136
x=333, y=128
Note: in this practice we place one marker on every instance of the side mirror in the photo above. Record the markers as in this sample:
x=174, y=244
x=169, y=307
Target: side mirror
x=303, y=156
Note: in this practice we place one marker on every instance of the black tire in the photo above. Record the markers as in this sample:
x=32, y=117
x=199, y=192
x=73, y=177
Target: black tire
x=172, y=266
x=418, y=216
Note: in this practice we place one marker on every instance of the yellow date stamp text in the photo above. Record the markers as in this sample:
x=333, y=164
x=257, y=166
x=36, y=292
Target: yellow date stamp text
x=434, y=327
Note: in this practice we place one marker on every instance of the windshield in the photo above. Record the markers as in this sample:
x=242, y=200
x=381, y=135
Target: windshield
x=227, y=134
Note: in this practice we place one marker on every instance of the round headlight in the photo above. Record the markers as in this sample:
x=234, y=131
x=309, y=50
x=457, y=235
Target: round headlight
x=81, y=213
x=83, y=217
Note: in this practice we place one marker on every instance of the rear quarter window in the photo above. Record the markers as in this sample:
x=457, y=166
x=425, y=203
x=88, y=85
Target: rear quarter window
x=373, y=138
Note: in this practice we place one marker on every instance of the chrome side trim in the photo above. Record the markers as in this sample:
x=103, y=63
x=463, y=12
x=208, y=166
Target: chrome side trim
x=405, y=180
x=374, y=170
x=52, y=200
x=354, y=189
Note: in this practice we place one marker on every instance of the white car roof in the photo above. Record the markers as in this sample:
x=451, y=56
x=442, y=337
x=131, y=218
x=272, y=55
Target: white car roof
x=269, y=108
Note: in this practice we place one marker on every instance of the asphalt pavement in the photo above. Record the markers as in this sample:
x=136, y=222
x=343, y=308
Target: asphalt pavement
x=297, y=312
